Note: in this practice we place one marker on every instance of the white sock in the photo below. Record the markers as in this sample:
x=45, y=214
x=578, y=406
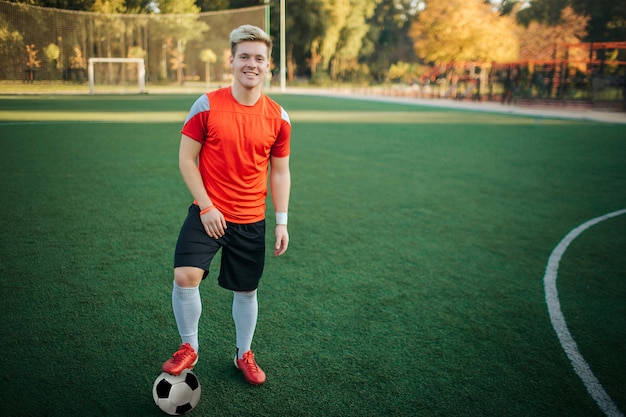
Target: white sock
x=187, y=307
x=245, y=313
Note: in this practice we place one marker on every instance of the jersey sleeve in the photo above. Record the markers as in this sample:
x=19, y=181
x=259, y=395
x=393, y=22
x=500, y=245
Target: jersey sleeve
x=195, y=125
x=281, y=147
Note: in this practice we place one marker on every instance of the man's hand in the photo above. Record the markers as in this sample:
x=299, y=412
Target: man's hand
x=214, y=223
x=282, y=239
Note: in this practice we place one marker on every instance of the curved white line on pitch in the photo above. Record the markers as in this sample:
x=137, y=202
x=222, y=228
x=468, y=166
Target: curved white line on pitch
x=560, y=326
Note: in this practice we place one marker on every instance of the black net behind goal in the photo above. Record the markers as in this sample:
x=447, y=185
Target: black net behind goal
x=38, y=43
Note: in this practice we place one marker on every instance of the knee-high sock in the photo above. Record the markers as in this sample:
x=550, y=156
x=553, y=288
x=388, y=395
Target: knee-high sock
x=187, y=307
x=245, y=313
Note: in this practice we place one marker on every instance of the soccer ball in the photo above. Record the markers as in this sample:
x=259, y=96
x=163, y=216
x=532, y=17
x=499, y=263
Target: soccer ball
x=176, y=395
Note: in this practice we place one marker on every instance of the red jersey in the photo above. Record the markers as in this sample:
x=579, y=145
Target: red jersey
x=237, y=142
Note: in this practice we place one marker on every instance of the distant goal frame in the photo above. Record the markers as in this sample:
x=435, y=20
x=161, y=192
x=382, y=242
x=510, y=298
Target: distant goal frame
x=141, y=71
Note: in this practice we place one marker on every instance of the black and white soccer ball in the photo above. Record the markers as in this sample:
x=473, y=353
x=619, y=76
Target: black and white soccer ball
x=176, y=395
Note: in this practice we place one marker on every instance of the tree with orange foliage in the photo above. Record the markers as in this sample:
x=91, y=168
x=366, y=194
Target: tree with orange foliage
x=464, y=30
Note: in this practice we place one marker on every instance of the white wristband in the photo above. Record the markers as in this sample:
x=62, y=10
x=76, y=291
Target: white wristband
x=281, y=217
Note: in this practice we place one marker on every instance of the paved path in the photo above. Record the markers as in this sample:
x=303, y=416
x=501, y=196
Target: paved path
x=490, y=107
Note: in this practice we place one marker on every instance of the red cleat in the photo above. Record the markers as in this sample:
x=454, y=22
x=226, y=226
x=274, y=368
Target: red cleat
x=251, y=371
x=184, y=358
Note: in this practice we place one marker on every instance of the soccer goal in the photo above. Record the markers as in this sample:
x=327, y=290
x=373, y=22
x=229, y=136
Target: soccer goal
x=124, y=70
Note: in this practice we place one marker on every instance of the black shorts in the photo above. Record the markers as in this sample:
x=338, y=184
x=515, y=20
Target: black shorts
x=243, y=251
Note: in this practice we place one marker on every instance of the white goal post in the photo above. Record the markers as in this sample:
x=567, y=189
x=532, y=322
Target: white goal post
x=141, y=71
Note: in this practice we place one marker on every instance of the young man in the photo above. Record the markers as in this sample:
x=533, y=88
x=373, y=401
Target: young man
x=230, y=140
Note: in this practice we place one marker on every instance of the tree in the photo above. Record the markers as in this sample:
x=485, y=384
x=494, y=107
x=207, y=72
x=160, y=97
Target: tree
x=208, y=57
x=350, y=41
x=86, y=5
x=83, y=5
x=542, y=11
x=387, y=41
x=178, y=7
x=305, y=30
x=336, y=38
x=180, y=21
x=213, y=5
x=607, y=19
x=32, y=62
x=109, y=6
x=540, y=41
x=336, y=12
x=52, y=52
x=464, y=30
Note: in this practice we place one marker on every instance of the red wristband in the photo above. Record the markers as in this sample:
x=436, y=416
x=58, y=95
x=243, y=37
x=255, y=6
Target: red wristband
x=206, y=210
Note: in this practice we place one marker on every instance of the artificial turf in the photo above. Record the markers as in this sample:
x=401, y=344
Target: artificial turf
x=412, y=285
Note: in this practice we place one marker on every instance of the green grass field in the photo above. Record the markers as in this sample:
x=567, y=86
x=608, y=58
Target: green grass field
x=413, y=285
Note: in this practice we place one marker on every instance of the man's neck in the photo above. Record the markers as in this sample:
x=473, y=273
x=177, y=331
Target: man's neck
x=247, y=97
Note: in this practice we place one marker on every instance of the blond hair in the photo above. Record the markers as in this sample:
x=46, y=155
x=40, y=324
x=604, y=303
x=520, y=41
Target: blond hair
x=249, y=33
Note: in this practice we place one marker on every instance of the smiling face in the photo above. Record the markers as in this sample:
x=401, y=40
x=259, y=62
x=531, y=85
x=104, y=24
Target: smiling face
x=250, y=64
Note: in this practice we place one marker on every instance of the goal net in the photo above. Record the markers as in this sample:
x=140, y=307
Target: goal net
x=46, y=45
x=116, y=71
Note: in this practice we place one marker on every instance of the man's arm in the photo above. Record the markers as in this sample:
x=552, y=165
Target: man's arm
x=280, y=183
x=213, y=220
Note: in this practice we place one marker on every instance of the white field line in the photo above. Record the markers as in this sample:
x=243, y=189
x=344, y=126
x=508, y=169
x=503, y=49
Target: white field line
x=560, y=326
